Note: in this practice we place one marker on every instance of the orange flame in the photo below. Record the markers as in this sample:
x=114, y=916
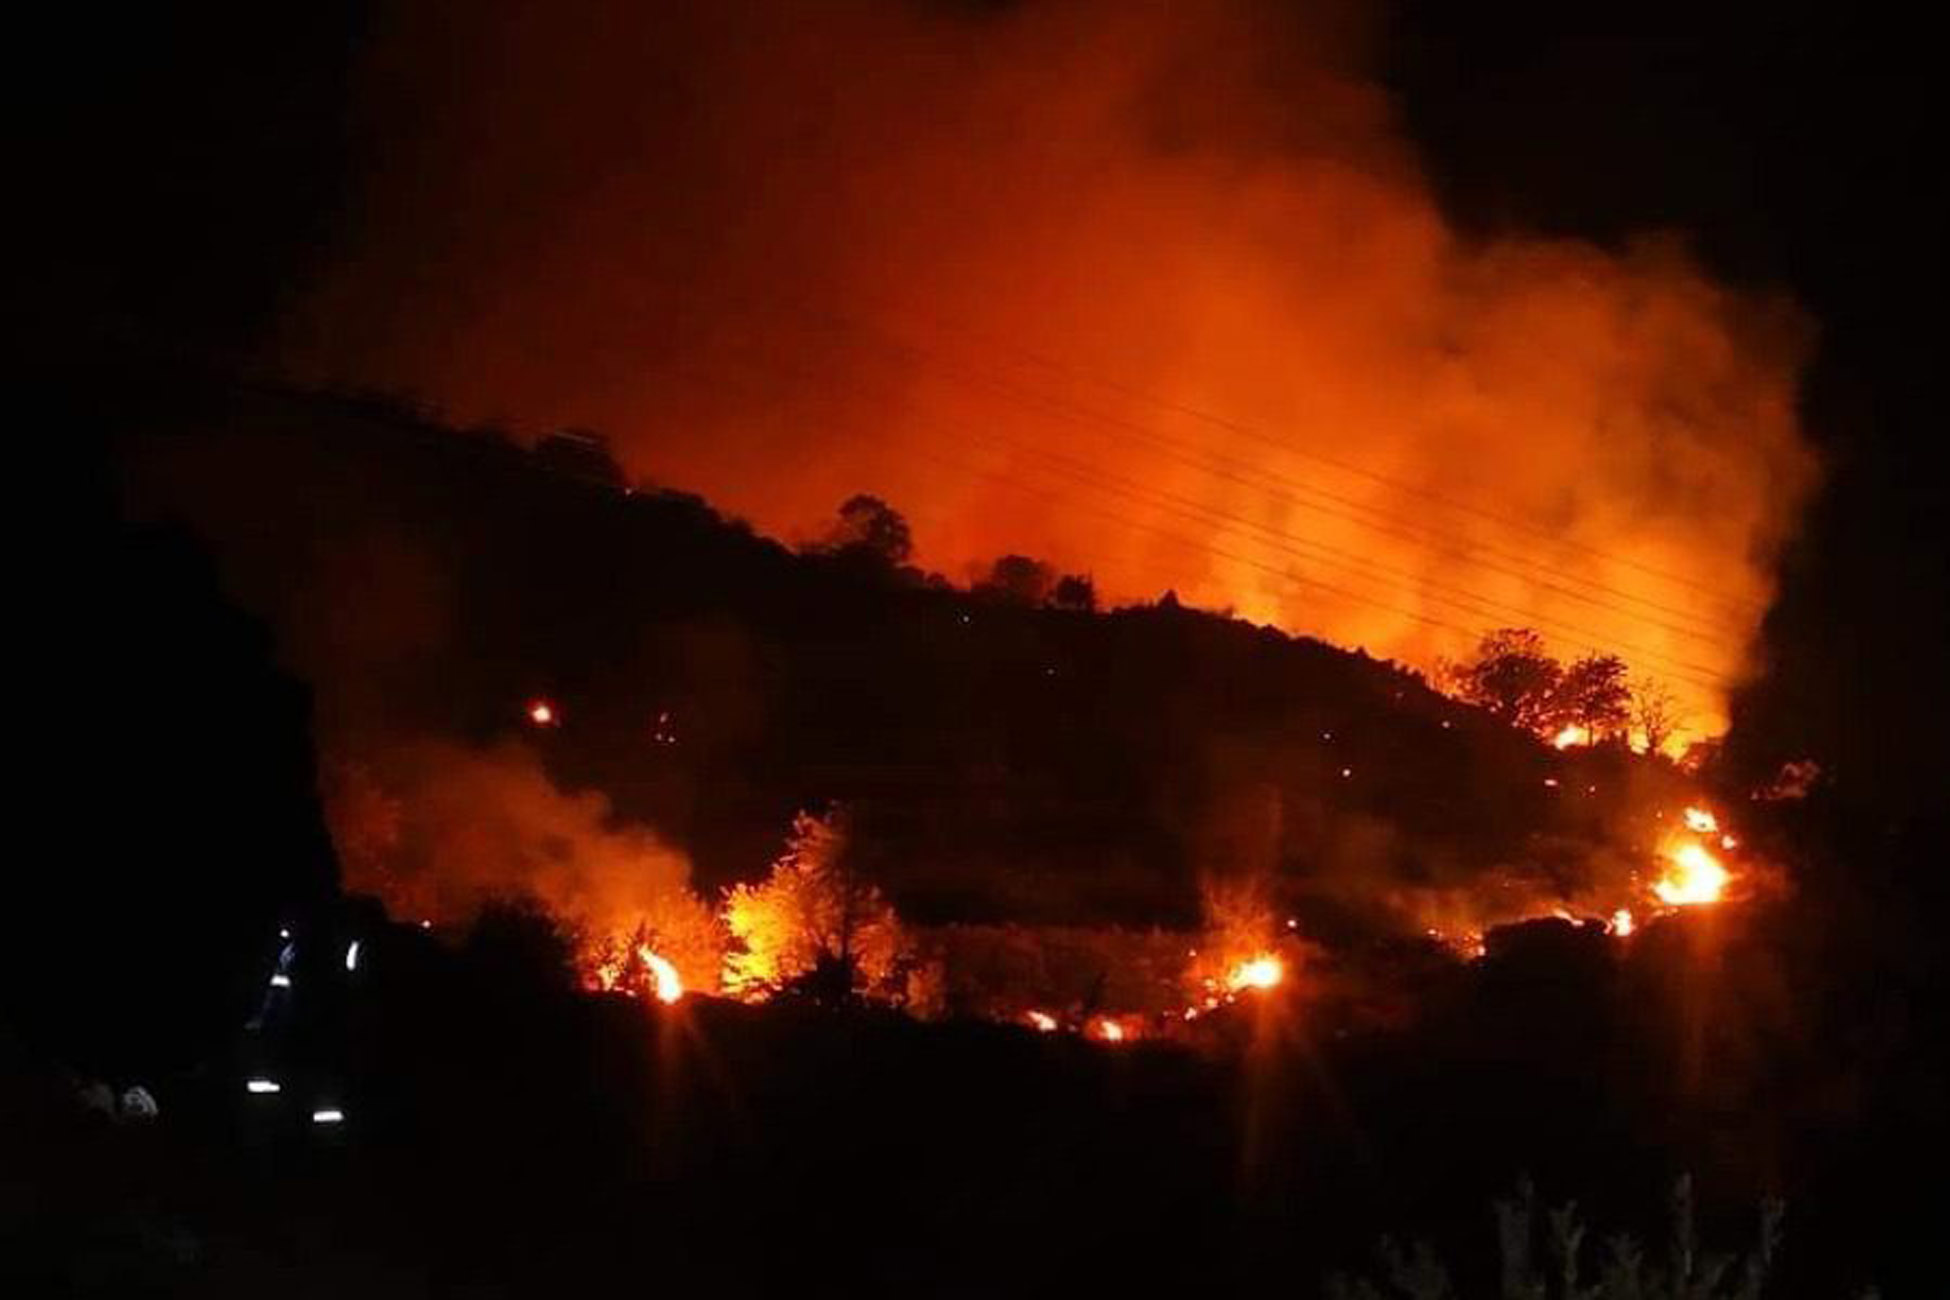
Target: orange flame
x=541, y=713
x=1107, y=1030
x=1261, y=972
x=1694, y=877
x=666, y=982
x=1702, y=821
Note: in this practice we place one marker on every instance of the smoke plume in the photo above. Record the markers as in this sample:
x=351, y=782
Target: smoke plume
x=437, y=829
x=1151, y=291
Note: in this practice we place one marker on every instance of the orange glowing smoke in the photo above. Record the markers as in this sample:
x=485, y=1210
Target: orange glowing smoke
x=1157, y=292
x=665, y=981
x=1693, y=876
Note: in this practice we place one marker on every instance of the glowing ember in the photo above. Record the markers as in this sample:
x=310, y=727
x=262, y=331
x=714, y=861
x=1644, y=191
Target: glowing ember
x=1572, y=735
x=542, y=713
x=1699, y=819
x=1104, y=1029
x=665, y=982
x=1694, y=877
x=1622, y=923
x=1042, y=1021
x=1261, y=972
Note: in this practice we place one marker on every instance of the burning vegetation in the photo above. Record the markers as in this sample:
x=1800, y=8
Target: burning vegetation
x=813, y=926
x=1042, y=791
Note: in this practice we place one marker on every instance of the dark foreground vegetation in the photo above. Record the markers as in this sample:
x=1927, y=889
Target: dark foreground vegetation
x=506, y=1135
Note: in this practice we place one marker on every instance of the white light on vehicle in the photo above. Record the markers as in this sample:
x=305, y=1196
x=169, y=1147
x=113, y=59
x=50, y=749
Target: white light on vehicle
x=283, y=933
x=280, y=981
x=262, y=1086
x=352, y=955
x=330, y=1115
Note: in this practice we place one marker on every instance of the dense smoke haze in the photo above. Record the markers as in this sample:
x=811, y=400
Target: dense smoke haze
x=1153, y=292
x=441, y=829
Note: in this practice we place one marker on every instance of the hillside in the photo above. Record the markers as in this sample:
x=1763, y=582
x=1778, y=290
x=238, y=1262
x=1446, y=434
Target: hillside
x=1002, y=763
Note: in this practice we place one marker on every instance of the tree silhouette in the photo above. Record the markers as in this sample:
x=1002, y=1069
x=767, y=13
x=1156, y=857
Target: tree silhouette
x=1075, y=591
x=1656, y=713
x=1592, y=694
x=870, y=528
x=1512, y=676
x=1018, y=580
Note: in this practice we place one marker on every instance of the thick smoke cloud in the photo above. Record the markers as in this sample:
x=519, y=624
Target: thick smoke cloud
x=439, y=829
x=1152, y=291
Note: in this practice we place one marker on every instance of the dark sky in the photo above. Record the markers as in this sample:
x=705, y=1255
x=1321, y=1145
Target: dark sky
x=195, y=167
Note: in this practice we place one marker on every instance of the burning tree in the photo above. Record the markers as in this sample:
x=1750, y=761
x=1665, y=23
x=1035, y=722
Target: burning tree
x=677, y=938
x=1513, y=676
x=1655, y=714
x=1239, y=948
x=1591, y=695
x=812, y=913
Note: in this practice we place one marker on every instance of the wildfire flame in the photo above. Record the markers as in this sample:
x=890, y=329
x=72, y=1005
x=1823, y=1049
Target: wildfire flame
x=1695, y=876
x=1261, y=972
x=1571, y=735
x=1622, y=923
x=541, y=713
x=665, y=981
x=1041, y=1021
x=1107, y=1030
x=1702, y=821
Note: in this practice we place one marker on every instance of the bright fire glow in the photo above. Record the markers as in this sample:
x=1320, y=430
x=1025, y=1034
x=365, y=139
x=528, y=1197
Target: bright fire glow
x=1695, y=876
x=1261, y=972
x=669, y=986
x=262, y=1086
x=1108, y=1030
x=1699, y=819
x=330, y=1115
x=541, y=713
x=1042, y=1021
x=1621, y=922
x=1571, y=735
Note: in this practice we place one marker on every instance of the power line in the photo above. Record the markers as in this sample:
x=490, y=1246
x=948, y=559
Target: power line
x=1348, y=562
x=1691, y=674
x=1416, y=532
x=1437, y=498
